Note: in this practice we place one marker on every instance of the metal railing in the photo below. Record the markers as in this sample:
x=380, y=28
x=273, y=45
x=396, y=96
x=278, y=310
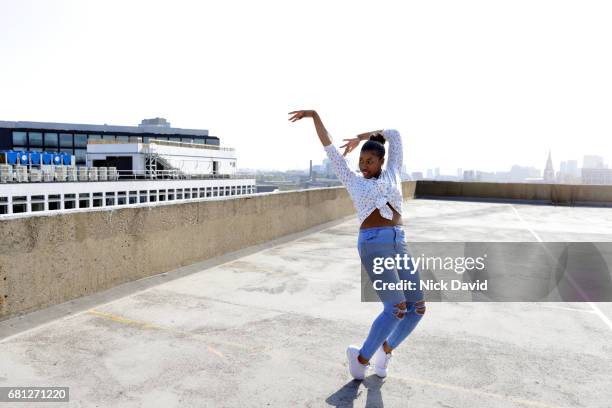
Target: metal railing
x=52, y=173
x=175, y=174
x=164, y=143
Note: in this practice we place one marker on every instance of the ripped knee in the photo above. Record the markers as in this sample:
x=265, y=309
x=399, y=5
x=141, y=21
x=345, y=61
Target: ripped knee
x=400, y=310
x=419, y=307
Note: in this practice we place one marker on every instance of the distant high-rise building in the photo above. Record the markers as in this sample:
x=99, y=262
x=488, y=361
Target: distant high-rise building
x=429, y=173
x=568, y=172
x=327, y=167
x=416, y=175
x=592, y=161
x=437, y=172
x=460, y=173
x=572, y=168
x=597, y=176
x=549, y=172
x=521, y=173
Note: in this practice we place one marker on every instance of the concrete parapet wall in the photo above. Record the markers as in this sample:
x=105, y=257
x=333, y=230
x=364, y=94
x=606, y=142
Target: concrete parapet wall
x=46, y=260
x=563, y=194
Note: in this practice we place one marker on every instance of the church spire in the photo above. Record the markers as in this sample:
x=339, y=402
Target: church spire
x=549, y=172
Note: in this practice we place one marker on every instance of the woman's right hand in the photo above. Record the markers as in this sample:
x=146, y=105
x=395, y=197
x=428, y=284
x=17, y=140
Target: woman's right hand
x=350, y=145
x=299, y=114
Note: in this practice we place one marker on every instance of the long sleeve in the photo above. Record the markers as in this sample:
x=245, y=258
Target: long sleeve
x=395, y=152
x=341, y=168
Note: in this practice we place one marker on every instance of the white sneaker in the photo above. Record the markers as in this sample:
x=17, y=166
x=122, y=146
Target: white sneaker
x=357, y=370
x=381, y=362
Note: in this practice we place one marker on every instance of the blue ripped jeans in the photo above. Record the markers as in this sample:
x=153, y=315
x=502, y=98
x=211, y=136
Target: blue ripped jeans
x=402, y=309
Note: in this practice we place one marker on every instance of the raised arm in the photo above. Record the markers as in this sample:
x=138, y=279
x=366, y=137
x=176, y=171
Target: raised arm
x=339, y=164
x=395, y=153
x=320, y=128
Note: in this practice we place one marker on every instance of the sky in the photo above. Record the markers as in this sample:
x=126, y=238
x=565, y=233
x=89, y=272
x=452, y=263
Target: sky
x=469, y=84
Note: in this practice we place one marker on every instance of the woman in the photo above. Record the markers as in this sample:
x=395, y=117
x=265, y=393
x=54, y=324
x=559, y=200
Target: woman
x=377, y=197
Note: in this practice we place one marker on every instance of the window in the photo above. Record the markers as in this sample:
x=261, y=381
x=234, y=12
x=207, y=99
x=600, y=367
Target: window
x=170, y=194
x=187, y=139
x=210, y=141
x=36, y=139
x=215, y=191
x=19, y=139
x=94, y=137
x=80, y=156
x=110, y=198
x=51, y=140
x=20, y=204
x=3, y=205
x=133, y=197
x=202, y=192
x=179, y=193
x=65, y=140
x=69, y=201
x=143, y=196
x=233, y=190
x=122, y=139
x=84, y=200
x=152, y=196
x=121, y=198
x=80, y=140
x=110, y=138
x=97, y=199
x=198, y=140
x=54, y=202
x=162, y=195
x=38, y=203
x=208, y=192
x=187, y=194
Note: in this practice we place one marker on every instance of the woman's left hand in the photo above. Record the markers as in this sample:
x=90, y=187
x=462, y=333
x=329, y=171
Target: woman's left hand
x=350, y=145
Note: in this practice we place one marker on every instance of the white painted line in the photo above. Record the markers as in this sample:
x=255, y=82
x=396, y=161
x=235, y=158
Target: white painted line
x=593, y=306
x=567, y=308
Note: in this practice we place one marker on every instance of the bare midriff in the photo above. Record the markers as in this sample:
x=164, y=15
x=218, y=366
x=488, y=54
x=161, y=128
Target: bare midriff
x=377, y=220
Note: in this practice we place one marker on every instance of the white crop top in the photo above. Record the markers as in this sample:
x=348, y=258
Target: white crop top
x=369, y=194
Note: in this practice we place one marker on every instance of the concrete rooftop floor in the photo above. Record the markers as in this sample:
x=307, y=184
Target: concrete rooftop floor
x=270, y=328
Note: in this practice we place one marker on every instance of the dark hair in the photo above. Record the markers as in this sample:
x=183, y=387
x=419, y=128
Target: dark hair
x=375, y=144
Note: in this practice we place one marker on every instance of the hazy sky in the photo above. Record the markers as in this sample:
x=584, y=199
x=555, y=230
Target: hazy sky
x=470, y=84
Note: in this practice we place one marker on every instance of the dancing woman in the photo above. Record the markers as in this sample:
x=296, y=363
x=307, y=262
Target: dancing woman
x=377, y=197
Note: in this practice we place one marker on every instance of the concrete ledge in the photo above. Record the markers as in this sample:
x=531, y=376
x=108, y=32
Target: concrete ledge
x=47, y=260
x=560, y=194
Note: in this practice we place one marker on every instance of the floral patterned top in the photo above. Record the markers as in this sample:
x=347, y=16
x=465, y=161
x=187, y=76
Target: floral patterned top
x=369, y=194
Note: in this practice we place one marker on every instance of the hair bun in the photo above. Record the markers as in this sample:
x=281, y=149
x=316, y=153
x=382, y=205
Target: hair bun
x=377, y=137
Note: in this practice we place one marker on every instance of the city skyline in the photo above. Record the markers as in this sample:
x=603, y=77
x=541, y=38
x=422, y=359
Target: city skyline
x=557, y=166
